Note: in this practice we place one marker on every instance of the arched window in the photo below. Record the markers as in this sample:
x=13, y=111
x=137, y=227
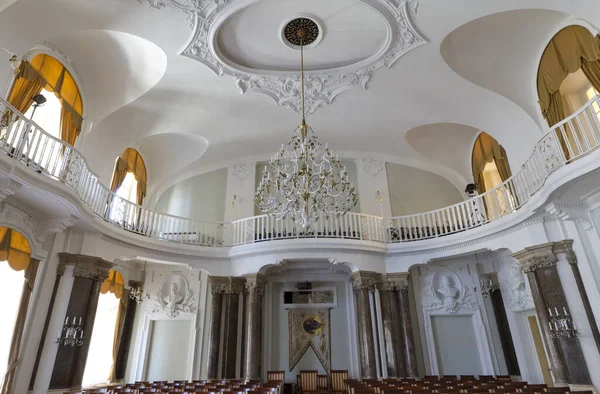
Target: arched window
x=568, y=76
x=61, y=115
x=129, y=184
x=490, y=168
x=17, y=277
x=100, y=364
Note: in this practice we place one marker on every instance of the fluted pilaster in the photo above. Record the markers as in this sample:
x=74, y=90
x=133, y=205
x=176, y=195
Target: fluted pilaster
x=363, y=282
x=255, y=286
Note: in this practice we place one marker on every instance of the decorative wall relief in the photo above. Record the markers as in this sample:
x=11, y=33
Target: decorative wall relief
x=174, y=297
x=447, y=292
x=372, y=166
x=518, y=295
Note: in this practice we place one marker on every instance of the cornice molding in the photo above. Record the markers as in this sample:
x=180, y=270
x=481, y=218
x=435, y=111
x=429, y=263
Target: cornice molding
x=571, y=212
x=8, y=187
x=206, y=16
x=53, y=225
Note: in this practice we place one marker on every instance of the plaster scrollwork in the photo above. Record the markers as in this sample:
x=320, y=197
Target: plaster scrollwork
x=549, y=150
x=447, y=292
x=532, y=263
x=174, y=297
x=255, y=283
x=372, y=166
x=322, y=86
x=519, y=296
x=242, y=171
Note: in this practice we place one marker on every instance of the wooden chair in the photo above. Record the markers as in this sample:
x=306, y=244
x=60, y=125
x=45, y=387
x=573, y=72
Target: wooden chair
x=308, y=382
x=323, y=384
x=338, y=381
x=275, y=376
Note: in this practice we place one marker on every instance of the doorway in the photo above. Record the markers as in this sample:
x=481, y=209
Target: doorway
x=540, y=350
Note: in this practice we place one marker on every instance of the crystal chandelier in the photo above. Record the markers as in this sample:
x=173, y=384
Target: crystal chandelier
x=304, y=180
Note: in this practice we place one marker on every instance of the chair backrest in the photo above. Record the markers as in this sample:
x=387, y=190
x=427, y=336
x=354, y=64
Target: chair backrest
x=309, y=380
x=338, y=380
x=277, y=376
x=322, y=381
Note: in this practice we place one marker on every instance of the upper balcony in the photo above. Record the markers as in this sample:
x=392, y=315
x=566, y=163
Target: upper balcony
x=23, y=140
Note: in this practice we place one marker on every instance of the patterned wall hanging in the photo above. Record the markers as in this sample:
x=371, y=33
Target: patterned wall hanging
x=310, y=329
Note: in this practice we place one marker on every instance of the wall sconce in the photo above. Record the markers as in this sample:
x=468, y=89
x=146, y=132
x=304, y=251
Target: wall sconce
x=72, y=333
x=562, y=325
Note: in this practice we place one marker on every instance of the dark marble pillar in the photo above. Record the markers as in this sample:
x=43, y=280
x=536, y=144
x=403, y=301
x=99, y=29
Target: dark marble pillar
x=566, y=247
x=252, y=360
x=410, y=355
x=363, y=283
x=89, y=273
x=566, y=357
x=224, y=327
x=126, y=333
x=215, y=333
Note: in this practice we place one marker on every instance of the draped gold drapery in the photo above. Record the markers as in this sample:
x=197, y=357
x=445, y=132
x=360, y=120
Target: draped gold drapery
x=14, y=249
x=130, y=161
x=45, y=72
x=572, y=48
x=486, y=150
x=15, y=346
x=116, y=284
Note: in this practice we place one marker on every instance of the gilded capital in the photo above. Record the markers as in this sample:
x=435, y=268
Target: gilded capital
x=362, y=280
x=532, y=258
x=393, y=281
x=226, y=284
x=84, y=266
x=255, y=283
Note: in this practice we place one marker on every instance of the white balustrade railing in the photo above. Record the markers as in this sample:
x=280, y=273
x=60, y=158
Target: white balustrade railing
x=23, y=140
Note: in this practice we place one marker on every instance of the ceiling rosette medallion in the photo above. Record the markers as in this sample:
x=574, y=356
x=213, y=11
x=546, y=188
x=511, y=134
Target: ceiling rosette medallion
x=324, y=81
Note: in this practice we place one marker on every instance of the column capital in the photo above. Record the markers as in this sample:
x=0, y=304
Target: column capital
x=534, y=257
x=393, y=281
x=362, y=280
x=255, y=282
x=566, y=247
x=226, y=284
x=90, y=267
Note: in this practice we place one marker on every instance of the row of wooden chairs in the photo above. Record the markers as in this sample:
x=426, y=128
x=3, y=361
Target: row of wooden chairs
x=194, y=387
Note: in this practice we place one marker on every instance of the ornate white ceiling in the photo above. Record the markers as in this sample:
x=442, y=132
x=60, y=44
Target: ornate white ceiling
x=322, y=84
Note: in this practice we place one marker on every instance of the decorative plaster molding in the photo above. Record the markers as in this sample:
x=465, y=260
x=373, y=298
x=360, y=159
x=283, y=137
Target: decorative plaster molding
x=174, y=297
x=64, y=58
x=571, y=212
x=517, y=294
x=372, y=166
x=8, y=187
x=447, y=292
x=241, y=171
x=53, y=225
x=322, y=86
x=532, y=258
x=364, y=280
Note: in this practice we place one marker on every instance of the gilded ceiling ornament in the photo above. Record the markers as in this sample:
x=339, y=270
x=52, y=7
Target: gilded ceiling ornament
x=322, y=86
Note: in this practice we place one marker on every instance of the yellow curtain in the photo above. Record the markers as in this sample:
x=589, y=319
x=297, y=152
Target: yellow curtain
x=118, y=174
x=15, y=346
x=14, y=249
x=556, y=113
x=45, y=72
x=118, y=332
x=592, y=72
x=485, y=150
x=113, y=284
x=562, y=56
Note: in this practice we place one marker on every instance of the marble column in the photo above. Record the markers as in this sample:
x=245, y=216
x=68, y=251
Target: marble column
x=566, y=247
x=215, y=330
x=89, y=272
x=392, y=326
x=224, y=327
x=408, y=340
x=363, y=282
x=565, y=355
x=255, y=286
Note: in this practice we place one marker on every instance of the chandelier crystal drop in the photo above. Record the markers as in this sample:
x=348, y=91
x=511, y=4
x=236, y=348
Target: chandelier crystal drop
x=304, y=180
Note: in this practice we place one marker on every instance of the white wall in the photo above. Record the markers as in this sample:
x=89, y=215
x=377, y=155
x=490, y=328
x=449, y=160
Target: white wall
x=169, y=350
x=454, y=345
x=414, y=191
x=340, y=333
x=201, y=197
